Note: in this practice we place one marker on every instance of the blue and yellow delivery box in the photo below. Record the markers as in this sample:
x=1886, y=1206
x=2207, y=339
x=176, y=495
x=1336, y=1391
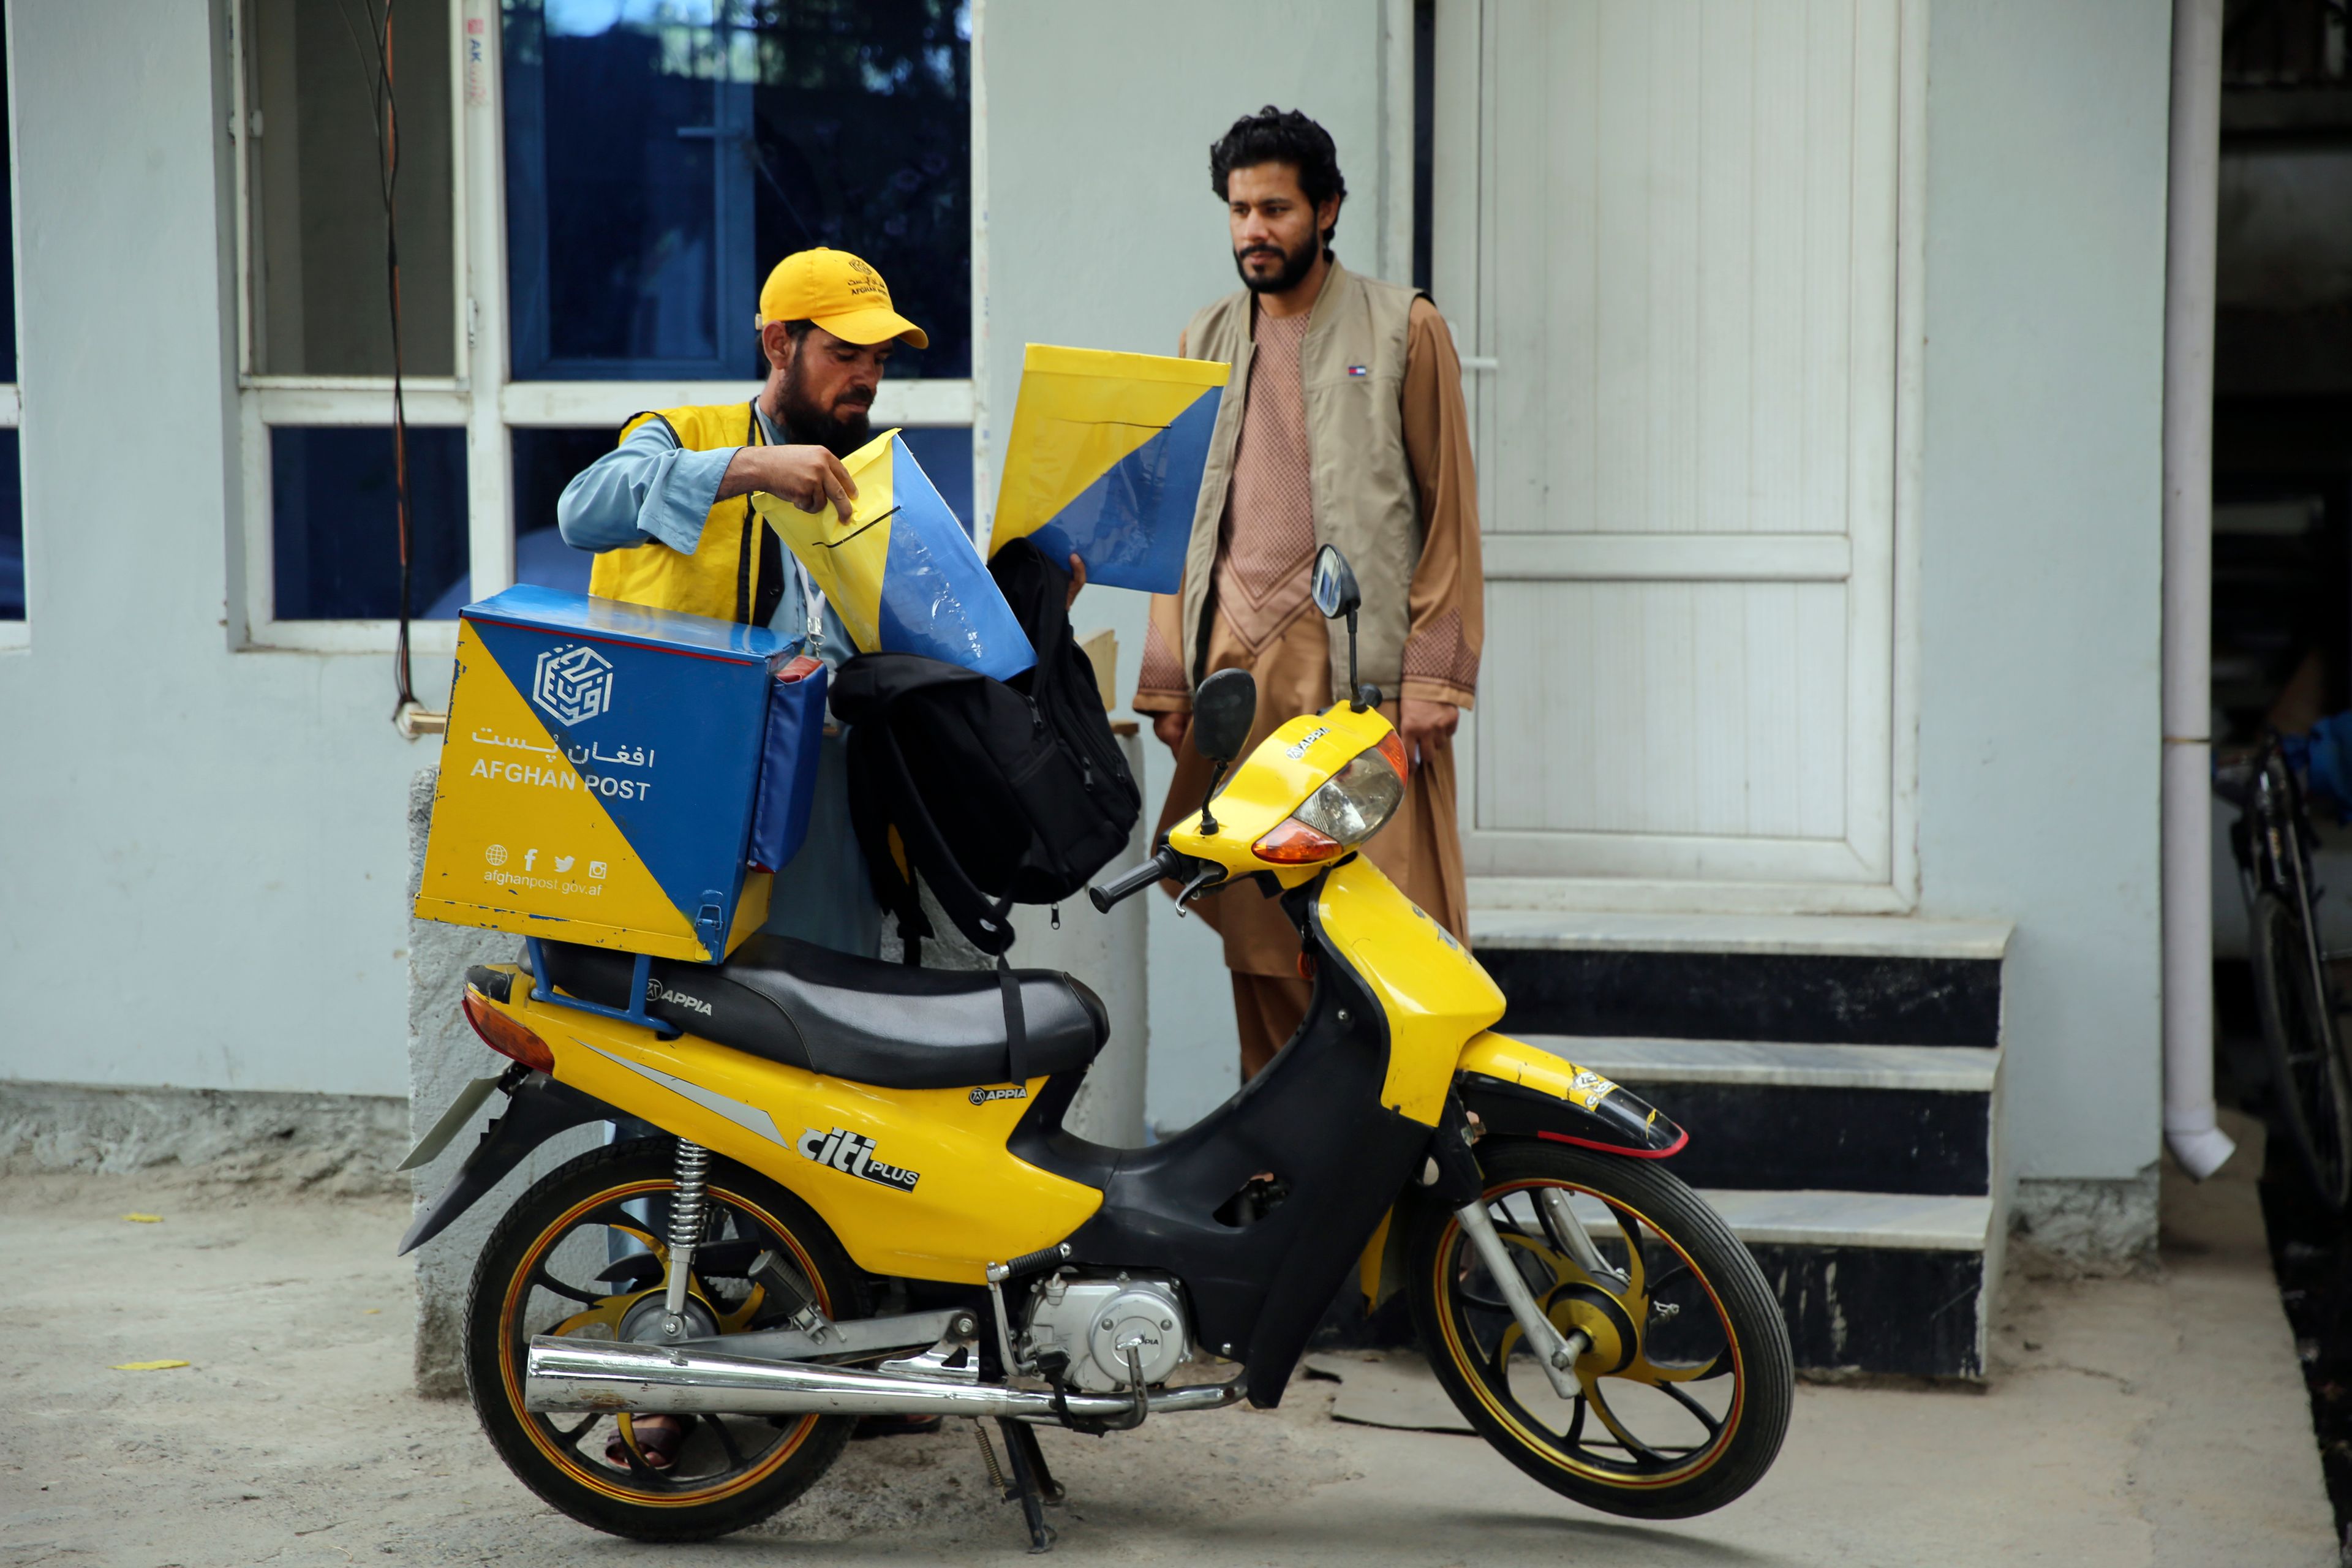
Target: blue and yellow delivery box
x=601, y=775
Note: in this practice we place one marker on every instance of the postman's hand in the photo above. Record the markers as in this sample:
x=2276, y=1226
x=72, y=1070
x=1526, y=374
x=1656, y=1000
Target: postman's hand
x=1428, y=727
x=807, y=477
x=1077, y=580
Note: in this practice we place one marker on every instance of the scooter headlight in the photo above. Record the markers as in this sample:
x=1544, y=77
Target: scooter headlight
x=1354, y=804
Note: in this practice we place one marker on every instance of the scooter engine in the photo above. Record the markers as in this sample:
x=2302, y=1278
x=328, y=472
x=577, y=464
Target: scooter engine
x=1096, y=1322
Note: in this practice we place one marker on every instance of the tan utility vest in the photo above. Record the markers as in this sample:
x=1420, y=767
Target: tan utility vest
x=1351, y=370
x=721, y=578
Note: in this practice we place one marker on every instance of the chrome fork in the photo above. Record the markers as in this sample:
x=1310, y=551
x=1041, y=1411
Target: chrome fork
x=1578, y=1241
x=1556, y=1353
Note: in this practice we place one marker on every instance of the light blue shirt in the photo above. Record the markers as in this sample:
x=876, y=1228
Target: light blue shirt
x=651, y=489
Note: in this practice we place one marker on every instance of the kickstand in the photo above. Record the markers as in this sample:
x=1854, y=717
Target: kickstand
x=1031, y=1483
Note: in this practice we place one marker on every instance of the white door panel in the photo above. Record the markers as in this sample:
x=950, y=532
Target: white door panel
x=1671, y=227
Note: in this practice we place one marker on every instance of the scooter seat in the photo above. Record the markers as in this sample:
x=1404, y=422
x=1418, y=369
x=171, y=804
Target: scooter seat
x=889, y=1025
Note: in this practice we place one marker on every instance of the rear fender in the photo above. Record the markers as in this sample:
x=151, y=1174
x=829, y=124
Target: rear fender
x=538, y=1109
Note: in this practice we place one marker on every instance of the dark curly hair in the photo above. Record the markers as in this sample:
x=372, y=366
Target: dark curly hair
x=1281, y=136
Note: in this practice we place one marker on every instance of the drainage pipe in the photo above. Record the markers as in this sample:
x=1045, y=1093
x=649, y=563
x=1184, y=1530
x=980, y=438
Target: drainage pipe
x=2196, y=1142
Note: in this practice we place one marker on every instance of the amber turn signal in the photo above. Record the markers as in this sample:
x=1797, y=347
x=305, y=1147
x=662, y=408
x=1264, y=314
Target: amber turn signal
x=1293, y=843
x=506, y=1036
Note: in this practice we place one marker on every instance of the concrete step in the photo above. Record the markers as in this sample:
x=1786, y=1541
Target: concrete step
x=1872, y=1282
x=1914, y=1121
x=1801, y=979
x=1953, y=1070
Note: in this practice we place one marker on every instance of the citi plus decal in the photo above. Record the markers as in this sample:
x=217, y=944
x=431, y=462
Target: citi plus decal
x=853, y=1155
x=574, y=682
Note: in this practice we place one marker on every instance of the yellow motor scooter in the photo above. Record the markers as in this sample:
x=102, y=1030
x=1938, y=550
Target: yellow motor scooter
x=867, y=1204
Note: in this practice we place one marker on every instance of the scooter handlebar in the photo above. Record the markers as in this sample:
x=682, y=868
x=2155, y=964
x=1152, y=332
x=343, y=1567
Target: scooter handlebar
x=1165, y=864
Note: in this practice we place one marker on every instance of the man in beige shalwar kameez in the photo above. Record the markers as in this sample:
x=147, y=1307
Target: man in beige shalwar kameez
x=1344, y=425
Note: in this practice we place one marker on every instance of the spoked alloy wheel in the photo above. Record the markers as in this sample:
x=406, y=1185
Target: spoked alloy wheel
x=585, y=1253
x=1684, y=1391
x=2311, y=1095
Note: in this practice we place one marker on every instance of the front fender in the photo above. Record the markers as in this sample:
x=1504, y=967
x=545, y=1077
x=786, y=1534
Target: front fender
x=1518, y=1090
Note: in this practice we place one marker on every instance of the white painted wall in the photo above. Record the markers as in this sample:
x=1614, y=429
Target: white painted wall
x=2039, y=560
x=200, y=867
x=1104, y=233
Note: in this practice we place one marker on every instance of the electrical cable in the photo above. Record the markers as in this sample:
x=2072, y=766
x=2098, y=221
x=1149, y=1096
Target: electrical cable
x=383, y=114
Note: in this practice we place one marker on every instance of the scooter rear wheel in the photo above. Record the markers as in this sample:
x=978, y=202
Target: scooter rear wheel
x=584, y=1252
x=1685, y=1390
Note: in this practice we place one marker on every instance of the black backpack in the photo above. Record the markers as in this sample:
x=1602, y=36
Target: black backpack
x=1002, y=792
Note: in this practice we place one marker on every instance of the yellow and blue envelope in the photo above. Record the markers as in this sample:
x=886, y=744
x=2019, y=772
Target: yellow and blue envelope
x=601, y=773
x=1105, y=458
x=902, y=573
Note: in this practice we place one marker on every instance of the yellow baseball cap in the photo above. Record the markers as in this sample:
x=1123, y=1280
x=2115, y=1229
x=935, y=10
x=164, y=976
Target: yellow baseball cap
x=838, y=292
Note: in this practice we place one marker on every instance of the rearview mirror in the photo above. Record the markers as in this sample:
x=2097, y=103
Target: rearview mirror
x=1224, y=706
x=1335, y=584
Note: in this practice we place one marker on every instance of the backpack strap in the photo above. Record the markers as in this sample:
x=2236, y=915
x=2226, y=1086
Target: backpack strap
x=981, y=917
x=871, y=790
x=1017, y=1024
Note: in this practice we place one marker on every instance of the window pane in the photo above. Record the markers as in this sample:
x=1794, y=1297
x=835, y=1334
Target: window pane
x=663, y=155
x=544, y=462
x=12, y=530
x=335, y=522
x=320, y=294
x=945, y=452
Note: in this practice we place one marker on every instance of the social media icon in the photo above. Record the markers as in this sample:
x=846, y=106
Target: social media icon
x=496, y=854
x=529, y=857
x=596, y=869
x=563, y=862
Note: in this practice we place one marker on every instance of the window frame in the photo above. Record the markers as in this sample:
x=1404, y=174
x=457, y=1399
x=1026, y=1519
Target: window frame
x=481, y=397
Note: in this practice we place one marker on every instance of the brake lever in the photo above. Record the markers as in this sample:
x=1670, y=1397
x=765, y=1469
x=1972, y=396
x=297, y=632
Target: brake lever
x=1210, y=874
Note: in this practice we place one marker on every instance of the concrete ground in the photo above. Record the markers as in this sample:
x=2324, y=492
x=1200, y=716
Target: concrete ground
x=2154, y=1419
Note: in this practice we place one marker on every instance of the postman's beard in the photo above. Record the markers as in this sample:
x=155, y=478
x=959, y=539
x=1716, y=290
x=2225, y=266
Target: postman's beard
x=1296, y=265
x=840, y=430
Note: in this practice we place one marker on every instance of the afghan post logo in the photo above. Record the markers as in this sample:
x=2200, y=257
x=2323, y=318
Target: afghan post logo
x=574, y=683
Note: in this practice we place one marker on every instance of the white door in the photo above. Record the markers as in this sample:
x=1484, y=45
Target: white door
x=1666, y=237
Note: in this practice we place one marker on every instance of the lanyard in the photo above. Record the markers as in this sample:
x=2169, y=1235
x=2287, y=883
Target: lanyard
x=811, y=597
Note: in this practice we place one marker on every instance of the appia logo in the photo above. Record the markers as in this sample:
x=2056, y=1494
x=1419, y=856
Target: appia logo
x=657, y=992
x=1308, y=739
x=1017, y=1091
x=574, y=683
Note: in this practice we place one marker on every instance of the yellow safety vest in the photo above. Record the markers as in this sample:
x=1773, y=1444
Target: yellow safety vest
x=721, y=578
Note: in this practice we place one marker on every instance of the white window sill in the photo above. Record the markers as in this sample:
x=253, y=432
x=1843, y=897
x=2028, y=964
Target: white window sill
x=435, y=639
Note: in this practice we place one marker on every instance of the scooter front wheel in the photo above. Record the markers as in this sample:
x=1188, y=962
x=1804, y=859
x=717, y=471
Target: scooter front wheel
x=585, y=1253
x=1683, y=1388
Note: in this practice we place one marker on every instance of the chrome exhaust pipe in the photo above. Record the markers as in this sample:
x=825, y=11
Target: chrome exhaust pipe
x=563, y=1374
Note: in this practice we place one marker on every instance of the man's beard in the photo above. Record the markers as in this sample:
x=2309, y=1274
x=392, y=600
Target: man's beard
x=840, y=434
x=1296, y=266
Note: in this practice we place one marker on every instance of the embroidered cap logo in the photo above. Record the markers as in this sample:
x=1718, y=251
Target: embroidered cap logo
x=574, y=683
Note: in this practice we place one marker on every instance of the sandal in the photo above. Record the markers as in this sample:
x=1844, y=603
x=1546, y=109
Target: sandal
x=657, y=1439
